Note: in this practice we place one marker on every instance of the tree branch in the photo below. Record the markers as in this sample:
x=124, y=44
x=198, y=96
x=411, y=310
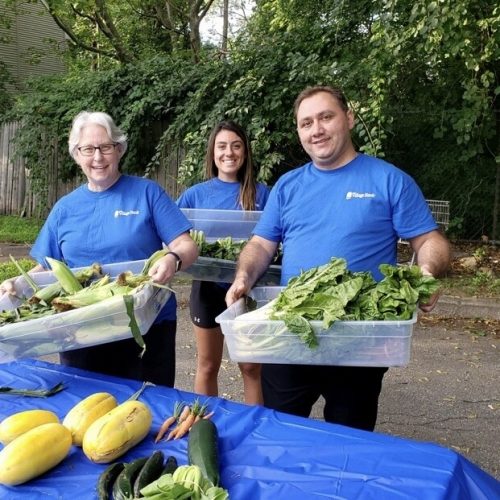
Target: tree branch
x=71, y=34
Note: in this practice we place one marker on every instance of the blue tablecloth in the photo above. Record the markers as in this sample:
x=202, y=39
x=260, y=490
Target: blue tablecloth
x=263, y=454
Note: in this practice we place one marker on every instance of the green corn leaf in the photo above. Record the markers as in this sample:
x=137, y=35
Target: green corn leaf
x=134, y=327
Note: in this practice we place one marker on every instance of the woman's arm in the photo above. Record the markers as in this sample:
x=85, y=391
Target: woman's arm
x=163, y=270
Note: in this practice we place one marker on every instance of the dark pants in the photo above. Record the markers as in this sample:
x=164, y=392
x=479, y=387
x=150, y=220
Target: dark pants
x=121, y=358
x=351, y=393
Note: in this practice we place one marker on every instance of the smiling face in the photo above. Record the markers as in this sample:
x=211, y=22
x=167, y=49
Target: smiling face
x=101, y=170
x=324, y=129
x=229, y=155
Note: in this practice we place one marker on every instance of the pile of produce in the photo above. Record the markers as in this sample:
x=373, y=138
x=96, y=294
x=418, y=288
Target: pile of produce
x=152, y=477
x=184, y=417
x=35, y=441
x=83, y=288
x=223, y=248
x=330, y=293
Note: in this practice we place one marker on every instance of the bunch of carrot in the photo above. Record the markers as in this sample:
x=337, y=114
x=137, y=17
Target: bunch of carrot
x=184, y=417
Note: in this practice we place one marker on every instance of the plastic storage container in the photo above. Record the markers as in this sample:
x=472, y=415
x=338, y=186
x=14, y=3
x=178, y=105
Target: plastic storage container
x=348, y=343
x=217, y=224
x=100, y=323
x=222, y=271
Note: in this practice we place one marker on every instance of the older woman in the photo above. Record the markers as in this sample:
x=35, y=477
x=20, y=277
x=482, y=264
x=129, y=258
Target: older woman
x=117, y=218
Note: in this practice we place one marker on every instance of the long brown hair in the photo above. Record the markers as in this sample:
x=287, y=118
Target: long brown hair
x=245, y=175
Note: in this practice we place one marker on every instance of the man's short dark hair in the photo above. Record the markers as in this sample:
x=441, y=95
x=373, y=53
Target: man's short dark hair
x=310, y=91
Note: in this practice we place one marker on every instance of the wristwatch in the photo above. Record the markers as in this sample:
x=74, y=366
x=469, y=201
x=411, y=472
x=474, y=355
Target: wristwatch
x=178, y=261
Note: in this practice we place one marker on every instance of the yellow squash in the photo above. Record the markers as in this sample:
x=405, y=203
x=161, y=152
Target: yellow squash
x=86, y=412
x=113, y=434
x=33, y=453
x=19, y=423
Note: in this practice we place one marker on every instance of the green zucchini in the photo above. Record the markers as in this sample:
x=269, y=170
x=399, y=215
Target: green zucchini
x=203, y=449
x=170, y=465
x=123, y=485
x=150, y=472
x=107, y=478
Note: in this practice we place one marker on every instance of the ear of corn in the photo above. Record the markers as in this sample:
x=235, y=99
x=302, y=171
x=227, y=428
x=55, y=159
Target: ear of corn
x=152, y=260
x=86, y=412
x=19, y=423
x=90, y=295
x=113, y=434
x=33, y=453
x=53, y=290
x=64, y=275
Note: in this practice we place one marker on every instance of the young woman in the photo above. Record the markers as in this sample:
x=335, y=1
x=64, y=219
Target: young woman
x=230, y=186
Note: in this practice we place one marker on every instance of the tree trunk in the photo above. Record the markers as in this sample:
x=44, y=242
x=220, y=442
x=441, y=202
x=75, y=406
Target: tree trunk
x=225, y=27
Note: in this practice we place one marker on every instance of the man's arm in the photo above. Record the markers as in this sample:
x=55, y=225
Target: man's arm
x=254, y=259
x=433, y=256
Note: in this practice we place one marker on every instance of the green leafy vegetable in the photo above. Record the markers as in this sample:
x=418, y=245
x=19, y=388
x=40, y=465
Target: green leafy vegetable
x=330, y=292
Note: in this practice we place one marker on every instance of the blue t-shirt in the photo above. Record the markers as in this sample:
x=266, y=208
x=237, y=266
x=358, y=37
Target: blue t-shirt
x=129, y=221
x=356, y=212
x=219, y=195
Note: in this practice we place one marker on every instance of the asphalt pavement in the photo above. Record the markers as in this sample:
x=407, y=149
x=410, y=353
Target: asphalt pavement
x=449, y=393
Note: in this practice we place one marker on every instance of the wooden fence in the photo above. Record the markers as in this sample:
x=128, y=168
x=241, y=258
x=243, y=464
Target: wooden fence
x=18, y=198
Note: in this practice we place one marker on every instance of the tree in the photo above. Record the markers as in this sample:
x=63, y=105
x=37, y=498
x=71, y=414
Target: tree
x=126, y=31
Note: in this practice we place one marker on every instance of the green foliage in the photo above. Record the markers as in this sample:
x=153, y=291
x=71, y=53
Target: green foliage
x=19, y=230
x=422, y=77
x=9, y=270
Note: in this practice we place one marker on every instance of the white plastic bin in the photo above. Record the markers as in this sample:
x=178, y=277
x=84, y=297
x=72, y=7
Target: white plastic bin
x=346, y=343
x=222, y=271
x=100, y=323
x=217, y=224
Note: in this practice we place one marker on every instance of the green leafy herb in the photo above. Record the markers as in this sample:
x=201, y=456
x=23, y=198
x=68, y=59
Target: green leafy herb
x=34, y=393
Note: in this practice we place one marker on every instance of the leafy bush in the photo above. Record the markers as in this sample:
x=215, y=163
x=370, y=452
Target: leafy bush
x=9, y=270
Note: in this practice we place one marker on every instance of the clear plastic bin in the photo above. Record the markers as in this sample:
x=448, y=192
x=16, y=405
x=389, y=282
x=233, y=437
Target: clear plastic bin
x=348, y=343
x=222, y=271
x=104, y=322
x=217, y=224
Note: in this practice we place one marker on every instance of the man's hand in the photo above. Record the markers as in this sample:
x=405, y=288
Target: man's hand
x=239, y=288
x=431, y=303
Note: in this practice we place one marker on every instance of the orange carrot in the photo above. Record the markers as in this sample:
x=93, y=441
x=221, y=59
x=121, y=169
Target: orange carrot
x=164, y=427
x=169, y=421
x=208, y=415
x=184, y=414
x=185, y=425
x=186, y=411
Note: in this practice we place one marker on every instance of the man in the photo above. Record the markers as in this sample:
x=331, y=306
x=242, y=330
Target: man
x=341, y=204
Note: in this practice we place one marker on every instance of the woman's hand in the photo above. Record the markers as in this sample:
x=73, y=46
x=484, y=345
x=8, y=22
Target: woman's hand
x=7, y=286
x=164, y=269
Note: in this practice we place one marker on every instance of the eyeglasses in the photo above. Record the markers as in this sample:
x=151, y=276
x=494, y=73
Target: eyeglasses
x=105, y=149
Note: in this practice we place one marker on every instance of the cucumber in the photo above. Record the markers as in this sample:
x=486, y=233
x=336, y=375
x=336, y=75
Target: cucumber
x=107, y=478
x=203, y=449
x=123, y=485
x=150, y=472
x=170, y=465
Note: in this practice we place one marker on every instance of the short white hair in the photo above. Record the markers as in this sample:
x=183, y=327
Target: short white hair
x=85, y=118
